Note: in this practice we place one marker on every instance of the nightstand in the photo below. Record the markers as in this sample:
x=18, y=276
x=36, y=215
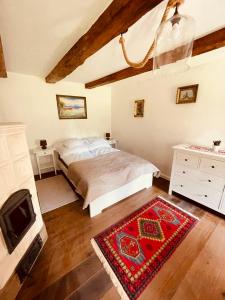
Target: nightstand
x=113, y=143
x=41, y=154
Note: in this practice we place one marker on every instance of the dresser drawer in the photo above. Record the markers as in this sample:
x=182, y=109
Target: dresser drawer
x=210, y=181
x=183, y=185
x=185, y=172
x=187, y=160
x=201, y=194
x=206, y=196
x=45, y=152
x=213, y=167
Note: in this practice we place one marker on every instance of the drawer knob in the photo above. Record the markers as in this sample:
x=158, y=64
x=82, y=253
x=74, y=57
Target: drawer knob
x=184, y=172
x=209, y=180
x=186, y=159
x=212, y=167
x=181, y=185
x=206, y=196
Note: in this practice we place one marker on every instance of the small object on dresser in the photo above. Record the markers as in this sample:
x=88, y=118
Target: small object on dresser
x=216, y=146
x=107, y=135
x=43, y=144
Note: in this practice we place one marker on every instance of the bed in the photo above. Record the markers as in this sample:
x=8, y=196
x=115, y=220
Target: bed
x=101, y=174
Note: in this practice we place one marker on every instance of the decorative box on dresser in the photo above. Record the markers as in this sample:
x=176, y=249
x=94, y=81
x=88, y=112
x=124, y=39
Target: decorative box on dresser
x=200, y=176
x=16, y=174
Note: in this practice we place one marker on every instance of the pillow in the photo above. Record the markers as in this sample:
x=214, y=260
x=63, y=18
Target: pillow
x=68, y=143
x=98, y=143
x=72, y=143
x=102, y=151
x=72, y=157
x=62, y=150
x=90, y=139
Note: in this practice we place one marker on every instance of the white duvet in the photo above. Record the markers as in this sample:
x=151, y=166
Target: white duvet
x=72, y=150
x=77, y=156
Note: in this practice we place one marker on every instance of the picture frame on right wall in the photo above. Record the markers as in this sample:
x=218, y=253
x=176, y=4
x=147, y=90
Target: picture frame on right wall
x=139, y=108
x=187, y=94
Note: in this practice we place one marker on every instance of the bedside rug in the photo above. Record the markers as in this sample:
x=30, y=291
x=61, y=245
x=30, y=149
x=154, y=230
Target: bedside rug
x=134, y=249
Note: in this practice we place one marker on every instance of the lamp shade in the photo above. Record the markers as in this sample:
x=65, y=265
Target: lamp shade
x=174, y=40
x=107, y=135
x=43, y=144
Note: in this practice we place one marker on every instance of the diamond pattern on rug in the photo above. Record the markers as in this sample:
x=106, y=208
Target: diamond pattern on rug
x=150, y=229
x=129, y=247
x=166, y=215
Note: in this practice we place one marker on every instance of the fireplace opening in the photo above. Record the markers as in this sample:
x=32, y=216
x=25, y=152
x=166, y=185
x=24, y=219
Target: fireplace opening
x=16, y=217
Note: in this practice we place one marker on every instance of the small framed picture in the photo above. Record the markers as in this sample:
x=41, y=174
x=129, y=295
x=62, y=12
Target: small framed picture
x=71, y=107
x=139, y=108
x=187, y=94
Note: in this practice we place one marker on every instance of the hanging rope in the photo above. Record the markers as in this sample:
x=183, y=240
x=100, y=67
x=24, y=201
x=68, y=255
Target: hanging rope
x=171, y=4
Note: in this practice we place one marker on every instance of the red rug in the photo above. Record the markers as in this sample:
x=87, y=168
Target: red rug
x=134, y=249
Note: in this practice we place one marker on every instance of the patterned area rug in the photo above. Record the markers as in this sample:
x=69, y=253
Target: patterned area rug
x=134, y=249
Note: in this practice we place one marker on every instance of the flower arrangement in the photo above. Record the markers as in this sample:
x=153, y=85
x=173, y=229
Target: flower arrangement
x=216, y=145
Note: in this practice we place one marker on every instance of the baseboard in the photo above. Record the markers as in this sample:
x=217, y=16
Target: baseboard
x=164, y=176
x=47, y=175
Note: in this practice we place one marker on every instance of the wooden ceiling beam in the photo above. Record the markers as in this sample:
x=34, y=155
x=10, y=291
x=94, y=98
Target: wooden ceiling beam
x=3, y=73
x=202, y=45
x=117, y=18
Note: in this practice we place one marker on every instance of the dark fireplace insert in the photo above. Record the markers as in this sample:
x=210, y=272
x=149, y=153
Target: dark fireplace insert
x=16, y=217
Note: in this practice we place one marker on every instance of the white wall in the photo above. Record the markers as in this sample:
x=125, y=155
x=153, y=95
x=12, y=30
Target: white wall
x=30, y=100
x=165, y=123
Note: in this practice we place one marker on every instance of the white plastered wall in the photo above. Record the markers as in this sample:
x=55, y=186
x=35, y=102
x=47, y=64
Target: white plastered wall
x=165, y=123
x=30, y=100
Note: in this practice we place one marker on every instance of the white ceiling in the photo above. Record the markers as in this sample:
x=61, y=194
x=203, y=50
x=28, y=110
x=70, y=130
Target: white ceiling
x=36, y=34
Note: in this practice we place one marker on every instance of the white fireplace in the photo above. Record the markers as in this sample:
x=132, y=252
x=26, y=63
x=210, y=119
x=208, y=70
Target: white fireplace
x=16, y=175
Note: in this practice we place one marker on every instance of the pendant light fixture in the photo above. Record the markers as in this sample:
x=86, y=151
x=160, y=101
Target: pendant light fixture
x=173, y=41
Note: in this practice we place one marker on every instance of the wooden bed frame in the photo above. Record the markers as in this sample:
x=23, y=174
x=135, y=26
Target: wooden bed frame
x=97, y=206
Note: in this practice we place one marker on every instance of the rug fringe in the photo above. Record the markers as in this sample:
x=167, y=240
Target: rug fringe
x=109, y=271
x=171, y=203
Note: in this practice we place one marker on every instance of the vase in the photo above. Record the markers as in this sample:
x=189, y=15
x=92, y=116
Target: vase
x=216, y=148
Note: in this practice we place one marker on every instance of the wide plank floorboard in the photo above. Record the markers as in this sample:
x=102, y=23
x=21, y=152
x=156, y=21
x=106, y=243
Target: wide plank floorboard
x=94, y=289
x=69, y=269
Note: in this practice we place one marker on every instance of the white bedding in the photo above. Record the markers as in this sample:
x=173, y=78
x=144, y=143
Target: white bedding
x=74, y=156
x=71, y=150
x=81, y=149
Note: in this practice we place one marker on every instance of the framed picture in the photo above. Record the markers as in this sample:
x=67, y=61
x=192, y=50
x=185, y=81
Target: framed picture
x=71, y=107
x=139, y=108
x=187, y=94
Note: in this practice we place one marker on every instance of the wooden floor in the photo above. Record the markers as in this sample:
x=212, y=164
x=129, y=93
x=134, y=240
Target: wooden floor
x=69, y=269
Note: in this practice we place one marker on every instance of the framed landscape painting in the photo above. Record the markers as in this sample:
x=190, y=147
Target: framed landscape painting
x=71, y=107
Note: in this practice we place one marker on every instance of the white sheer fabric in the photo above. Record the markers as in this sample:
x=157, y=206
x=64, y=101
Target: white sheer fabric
x=174, y=42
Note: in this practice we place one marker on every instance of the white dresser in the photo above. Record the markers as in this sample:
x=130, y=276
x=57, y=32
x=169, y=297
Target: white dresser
x=16, y=173
x=200, y=176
